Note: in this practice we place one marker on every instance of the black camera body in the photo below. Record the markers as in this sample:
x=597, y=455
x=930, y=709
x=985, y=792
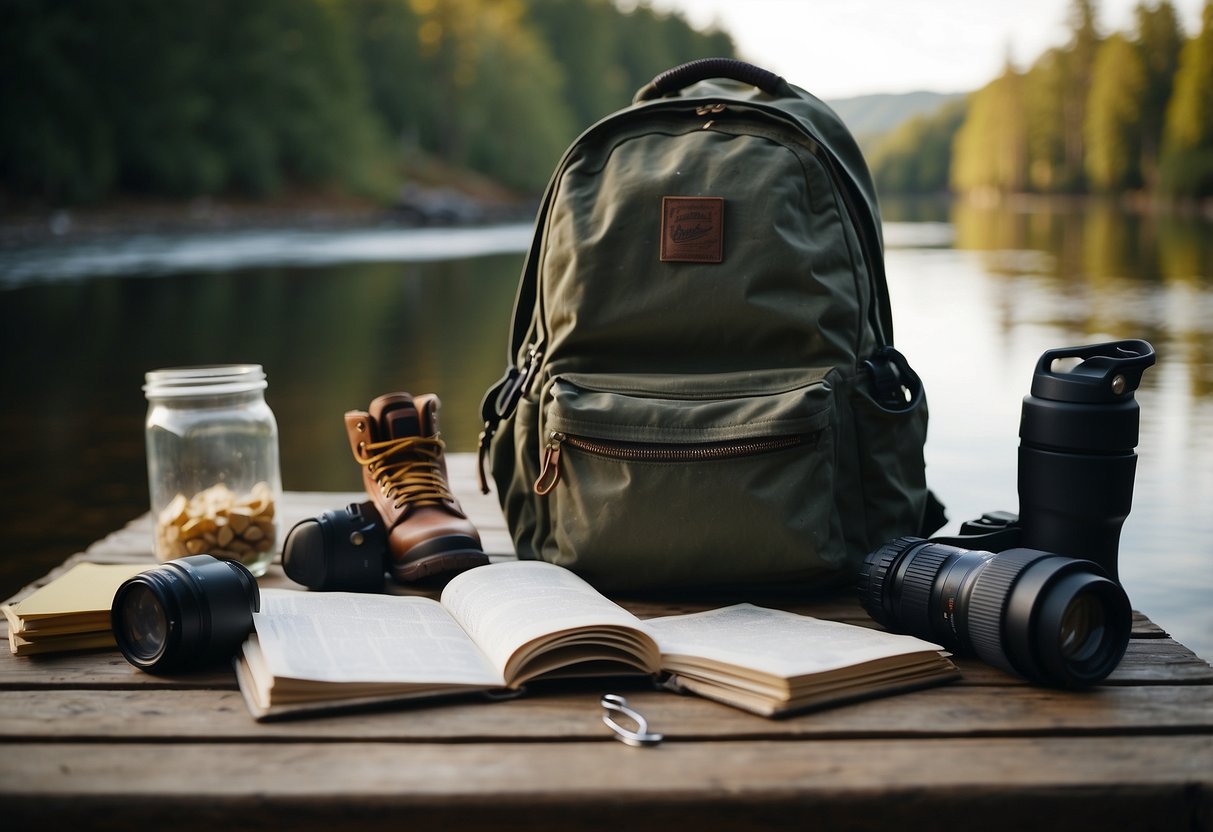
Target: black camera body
x=1037, y=593
x=345, y=549
x=994, y=531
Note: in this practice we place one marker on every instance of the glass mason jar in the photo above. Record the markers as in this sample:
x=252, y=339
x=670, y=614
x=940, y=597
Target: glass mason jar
x=212, y=464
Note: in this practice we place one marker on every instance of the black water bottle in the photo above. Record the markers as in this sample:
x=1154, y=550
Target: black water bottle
x=1076, y=458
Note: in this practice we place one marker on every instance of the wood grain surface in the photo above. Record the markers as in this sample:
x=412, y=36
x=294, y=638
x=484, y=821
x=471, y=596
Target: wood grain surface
x=87, y=741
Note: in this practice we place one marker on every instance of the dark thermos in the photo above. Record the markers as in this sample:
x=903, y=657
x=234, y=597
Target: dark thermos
x=1076, y=459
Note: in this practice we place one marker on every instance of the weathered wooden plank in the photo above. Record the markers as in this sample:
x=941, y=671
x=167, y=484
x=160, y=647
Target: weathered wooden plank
x=1073, y=783
x=574, y=713
x=1147, y=662
x=99, y=669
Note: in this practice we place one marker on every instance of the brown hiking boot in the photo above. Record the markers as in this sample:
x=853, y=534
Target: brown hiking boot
x=396, y=442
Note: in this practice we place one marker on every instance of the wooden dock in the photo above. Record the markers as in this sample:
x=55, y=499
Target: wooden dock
x=87, y=741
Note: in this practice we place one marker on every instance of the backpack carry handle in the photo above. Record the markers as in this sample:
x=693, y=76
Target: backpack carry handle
x=673, y=80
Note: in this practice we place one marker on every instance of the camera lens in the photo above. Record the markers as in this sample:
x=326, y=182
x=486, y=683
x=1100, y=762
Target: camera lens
x=1048, y=618
x=144, y=622
x=186, y=613
x=1082, y=629
x=339, y=550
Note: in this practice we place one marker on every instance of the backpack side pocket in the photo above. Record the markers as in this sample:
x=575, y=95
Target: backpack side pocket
x=891, y=467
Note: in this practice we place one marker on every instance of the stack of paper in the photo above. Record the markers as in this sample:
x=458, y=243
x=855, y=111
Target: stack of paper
x=72, y=612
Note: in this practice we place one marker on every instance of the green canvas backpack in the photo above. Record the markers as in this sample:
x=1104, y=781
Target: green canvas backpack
x=702, y=388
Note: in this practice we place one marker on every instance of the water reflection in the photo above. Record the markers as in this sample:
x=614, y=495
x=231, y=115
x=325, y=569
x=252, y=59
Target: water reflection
x=163, y=254
x=1090, y=269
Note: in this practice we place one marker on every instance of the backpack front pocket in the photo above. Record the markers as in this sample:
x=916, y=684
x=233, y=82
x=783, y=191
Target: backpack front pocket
x=665, y=481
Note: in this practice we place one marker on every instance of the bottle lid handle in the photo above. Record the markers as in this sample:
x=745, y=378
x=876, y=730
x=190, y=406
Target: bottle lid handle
x=1105, y=372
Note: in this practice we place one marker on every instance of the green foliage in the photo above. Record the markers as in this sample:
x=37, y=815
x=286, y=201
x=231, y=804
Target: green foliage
x=1113, y=135
x=55, y=138
x=495, y=97
x=1159, y=41
x=178, y=98
x=147, y=96
x=917, y=156
x=989, y=149
x=1043, y=106
x=607, y=55
x=1078, y=67
x=1090, y=115
x=1188, y=137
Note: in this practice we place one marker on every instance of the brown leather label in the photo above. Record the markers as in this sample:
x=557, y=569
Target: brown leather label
x=692, y=229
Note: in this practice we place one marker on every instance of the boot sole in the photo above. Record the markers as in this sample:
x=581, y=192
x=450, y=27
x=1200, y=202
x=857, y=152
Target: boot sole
x=448, y=564
x=416, y=565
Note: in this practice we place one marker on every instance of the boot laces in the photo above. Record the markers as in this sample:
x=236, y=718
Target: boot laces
x=409, y=470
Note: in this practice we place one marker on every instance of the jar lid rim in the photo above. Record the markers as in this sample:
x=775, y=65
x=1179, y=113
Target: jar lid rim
x=204, y=380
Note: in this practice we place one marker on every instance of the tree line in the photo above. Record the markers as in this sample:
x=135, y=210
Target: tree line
x=1130, y=111
x=105, y=98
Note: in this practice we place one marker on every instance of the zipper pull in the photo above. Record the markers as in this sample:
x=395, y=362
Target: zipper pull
x=710, y=109
x=482, y=455
x=549, y=471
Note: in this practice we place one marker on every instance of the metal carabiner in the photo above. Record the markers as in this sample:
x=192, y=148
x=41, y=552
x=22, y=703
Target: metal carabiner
x=638, y=738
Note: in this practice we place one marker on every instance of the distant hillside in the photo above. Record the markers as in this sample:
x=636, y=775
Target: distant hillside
x=870, y=116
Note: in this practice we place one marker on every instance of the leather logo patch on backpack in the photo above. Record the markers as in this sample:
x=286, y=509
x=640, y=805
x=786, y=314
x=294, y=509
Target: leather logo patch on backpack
x=692, y=229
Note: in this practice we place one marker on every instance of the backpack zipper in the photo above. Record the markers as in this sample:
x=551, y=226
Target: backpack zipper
x=549, y=473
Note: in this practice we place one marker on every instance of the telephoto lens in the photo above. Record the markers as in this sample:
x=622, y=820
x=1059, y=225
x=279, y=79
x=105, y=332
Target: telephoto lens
x=184, y=614
x=1051, y=619
x=339, y=550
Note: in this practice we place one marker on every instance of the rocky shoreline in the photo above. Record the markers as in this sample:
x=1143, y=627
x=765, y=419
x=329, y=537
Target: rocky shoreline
x=416, y=206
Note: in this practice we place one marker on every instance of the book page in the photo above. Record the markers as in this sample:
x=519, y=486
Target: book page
x=776, y=642
x=505, y=606
x=355, y=637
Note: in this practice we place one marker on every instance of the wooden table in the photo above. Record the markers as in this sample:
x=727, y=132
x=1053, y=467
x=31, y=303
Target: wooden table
x=88, y=741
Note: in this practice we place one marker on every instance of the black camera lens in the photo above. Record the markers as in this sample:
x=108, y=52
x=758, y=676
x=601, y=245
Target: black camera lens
x=1048, y=618
x=339, y=550
x=183, y=614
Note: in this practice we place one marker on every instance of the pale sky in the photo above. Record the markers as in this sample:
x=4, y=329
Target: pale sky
x=840, y=48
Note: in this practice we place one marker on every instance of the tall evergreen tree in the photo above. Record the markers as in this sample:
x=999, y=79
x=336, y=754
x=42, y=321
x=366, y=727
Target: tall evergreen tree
x=917, y=156
x=1159, y=40
x=584, y=38
x=990, y=150
x=1113, y=137
x=1078, y=68
x=1188, y=136
x=1044, y=86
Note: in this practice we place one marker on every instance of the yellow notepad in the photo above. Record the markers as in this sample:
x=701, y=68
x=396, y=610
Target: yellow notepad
x=76, y=603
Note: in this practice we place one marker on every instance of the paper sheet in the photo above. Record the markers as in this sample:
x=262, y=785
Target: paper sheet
x=86, y=587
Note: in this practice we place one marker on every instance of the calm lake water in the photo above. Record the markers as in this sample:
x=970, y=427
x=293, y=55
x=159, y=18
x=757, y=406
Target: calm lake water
x=338, y=318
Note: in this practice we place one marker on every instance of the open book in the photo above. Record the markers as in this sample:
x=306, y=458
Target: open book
x=499, y=626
